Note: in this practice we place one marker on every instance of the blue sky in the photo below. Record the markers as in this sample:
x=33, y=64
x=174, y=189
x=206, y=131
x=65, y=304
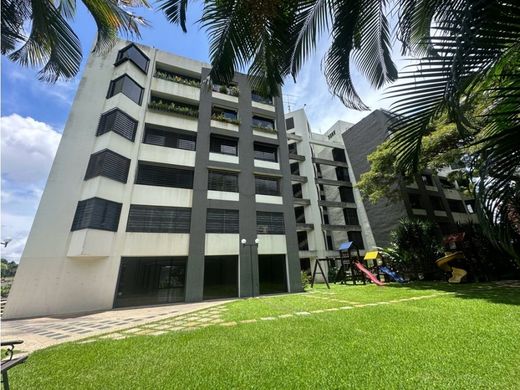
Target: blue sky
x=34, y=113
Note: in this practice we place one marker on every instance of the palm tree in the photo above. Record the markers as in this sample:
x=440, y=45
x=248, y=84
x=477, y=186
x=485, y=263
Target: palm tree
x=468, y=51
x=51, y=42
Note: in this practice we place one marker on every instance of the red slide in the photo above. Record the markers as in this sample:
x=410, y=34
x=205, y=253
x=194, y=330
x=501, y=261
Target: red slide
x=369, y=274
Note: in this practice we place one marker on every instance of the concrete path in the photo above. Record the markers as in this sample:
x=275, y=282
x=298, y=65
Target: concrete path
x=38, y=333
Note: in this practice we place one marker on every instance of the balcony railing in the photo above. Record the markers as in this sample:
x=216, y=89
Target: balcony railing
x=173, y=107
x=177, y=78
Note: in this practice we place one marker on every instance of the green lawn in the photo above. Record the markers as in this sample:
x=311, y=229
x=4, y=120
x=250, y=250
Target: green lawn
x=466, y=339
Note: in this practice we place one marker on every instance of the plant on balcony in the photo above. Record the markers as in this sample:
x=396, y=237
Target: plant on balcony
x=234, y=91
x=222, y=118
x=266, y=129
x=227, y=90
x=177, y=79
x=173, y=108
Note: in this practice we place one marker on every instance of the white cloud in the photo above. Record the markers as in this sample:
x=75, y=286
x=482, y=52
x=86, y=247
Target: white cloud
x=28, y=149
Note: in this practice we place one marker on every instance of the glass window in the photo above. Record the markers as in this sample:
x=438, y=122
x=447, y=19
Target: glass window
x=119, y=122
x=266, y=152
x=108, y=164
x=357, y=238
x=339, y=155
x=269, y=223
x=170, y=139
x=267, y=185
x=346, y=194
x=135, y=55
x=427, y=180
x=220, y=277
x=158, y=219
x=437, y=203
x=303, y=244
x=158, y=175
x=127, y=87
x=456, y=206
x=223, y=145
x=289, y=123
x=150, y=281
x=222, y=181
x=222, y=221
x=257, y=97
x=297, y=191
x=263, y=122
x=342, y=174
x=97, y=213
x=295, y=169
x=224, y=113
x=351, y=217
x=299, y=213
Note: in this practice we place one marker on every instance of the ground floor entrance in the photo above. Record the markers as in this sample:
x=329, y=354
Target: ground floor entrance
x=151, y=281
x=272, y=274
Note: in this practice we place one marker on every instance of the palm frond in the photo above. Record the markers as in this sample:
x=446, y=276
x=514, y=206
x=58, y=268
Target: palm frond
x=14, y=13
x=51, y=43
x=175, y=11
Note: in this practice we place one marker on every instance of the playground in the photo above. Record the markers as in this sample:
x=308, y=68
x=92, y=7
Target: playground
x=408, y=336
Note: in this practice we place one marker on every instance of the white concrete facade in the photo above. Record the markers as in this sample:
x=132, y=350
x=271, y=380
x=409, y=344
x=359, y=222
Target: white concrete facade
x=64, y=271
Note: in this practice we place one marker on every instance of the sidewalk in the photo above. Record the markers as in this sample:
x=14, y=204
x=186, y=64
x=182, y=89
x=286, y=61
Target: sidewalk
x=38, y=333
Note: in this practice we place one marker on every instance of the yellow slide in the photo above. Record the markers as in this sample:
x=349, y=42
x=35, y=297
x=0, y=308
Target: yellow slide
x=456, y=273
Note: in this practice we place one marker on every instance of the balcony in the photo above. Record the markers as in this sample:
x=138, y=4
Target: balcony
x=330, y=182
x=226, y=93
x=222, y=118
x=172, y=107
x=299, y=179
x=297, y=157
x=263, y=125
x=329, y=162
x=304, y=226
x=169, y=84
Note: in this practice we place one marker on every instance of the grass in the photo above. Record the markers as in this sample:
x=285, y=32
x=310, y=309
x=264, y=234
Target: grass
x=467, y=339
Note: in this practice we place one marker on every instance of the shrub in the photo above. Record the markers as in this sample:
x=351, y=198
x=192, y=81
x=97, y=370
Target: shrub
x=173, y=108
x=222, y=118
x=177, y=79
x=306, y=279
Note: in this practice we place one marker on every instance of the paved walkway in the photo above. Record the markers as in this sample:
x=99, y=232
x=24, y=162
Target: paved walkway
x=38, y=333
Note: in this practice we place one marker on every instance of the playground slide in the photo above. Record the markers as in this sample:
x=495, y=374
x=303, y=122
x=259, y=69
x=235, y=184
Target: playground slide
x=395, y=276
x=369, y=275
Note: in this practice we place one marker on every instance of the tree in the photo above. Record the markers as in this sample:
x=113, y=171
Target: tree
x=51, y=43
x=8, y=268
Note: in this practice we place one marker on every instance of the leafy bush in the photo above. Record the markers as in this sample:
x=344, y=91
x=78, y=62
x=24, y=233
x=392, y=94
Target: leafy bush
x=173, y=108
x=415, y=246
x=265, y=129
x=222, y=118
x=306, y=279
x=177, y=79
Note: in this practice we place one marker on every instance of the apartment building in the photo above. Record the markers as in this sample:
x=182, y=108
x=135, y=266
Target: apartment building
x=161, y=186
x=328, y=209
x=431, y=196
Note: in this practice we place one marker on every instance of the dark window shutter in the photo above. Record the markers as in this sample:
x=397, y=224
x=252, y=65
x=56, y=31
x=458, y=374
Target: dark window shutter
x=108, y=164
x=346, y=194
x=128, y=87
x=222, y=181
x=155, y=175
x=169, y=139
x=357, y=238
x=97, y=213
x=266, y=152
x=222, y=221
x=289, y=123
x=135, y=55
x=118, y=122
x=158, y=219
x=269, y=223
x=351, y=217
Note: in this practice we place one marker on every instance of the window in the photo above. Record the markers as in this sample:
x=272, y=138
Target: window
x=135, y=55
x=158, y=219
x=330, y=243
x=222, y=221
x=119, y=122
x=157, y=175
x=303, y=244
x=346, y=194
x=263, y=122
x=267, y=185
x=331, y=134
x=456, y=206
x=224, y=113
x=357, y=238
x=222, y=181
x=257, y=97
x=293, y=148
x=415, y=201
x=169, y=139
x=223, y=145
x=297, y=191
x=342, y=174
x=299, y=213
x=108, y=164
x=295, y=169
x=289, y=123
x=97, y=213
x=269, y=223
x=127, y=87
x=266, y=152
x=339, y=155
x=436, y=203
x=351, y=217
x=427, y=180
